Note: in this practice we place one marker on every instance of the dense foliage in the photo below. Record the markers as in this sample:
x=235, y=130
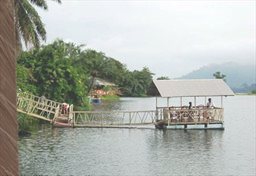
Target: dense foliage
x=62, y=72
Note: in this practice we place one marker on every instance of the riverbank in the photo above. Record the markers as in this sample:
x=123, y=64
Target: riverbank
x=245, y=94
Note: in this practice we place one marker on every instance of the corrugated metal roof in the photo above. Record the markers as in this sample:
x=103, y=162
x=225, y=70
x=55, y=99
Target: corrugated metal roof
x=193, y=87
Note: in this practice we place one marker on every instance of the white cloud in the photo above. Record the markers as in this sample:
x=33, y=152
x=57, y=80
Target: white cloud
x=170, y=37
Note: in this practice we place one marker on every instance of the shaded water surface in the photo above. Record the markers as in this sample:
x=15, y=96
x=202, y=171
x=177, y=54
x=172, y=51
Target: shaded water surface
x=88, y=151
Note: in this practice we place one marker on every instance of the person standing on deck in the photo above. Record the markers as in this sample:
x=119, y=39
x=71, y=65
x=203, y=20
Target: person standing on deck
x=190, y=105
x=209, y=103
x=43, y=100
x=208, y=113
x=65, y=107
x=190, y=112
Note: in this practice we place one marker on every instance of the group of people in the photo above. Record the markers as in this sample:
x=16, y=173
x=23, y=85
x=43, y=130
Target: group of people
x=174, y=114
x=208, y=105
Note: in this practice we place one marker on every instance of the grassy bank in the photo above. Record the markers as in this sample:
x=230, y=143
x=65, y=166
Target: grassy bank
x=110, y=97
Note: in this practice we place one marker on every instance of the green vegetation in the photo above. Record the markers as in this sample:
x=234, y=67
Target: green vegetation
x=163, y=78
x=218, y=75
x=253, y=91
x=63, y=71
x=30, y=31
x=27, y=124
x=110, y=97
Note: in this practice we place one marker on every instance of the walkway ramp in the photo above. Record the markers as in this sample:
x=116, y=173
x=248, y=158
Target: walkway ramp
x=51, y=111
x=37, y=107
x=114, y=119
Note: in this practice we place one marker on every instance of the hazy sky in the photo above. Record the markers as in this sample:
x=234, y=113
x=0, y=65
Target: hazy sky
x=171, y=38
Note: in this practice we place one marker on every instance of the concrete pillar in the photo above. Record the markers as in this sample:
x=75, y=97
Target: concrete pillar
x=8, y=120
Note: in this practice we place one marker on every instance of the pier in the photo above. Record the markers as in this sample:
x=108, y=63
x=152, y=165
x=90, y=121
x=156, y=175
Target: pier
x=49, y=110
x=172, y=117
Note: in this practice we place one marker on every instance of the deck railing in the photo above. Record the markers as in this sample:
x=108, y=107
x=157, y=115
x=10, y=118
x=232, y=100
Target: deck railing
x=113, y=117
x=49, y=110
x=198, y=114
x=37, y=106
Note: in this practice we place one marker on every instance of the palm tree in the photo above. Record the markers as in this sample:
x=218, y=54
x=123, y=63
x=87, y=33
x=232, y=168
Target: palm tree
x=29, y=27
x=218, y=75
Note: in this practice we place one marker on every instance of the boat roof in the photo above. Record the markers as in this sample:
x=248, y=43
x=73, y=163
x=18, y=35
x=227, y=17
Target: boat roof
x=193, y=88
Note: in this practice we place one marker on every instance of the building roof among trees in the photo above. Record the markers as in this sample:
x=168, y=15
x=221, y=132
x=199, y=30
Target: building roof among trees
x=102, y=82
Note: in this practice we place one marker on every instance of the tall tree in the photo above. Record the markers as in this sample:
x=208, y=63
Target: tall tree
x=53, y=73
x=163, y=78
x=218, y=75
x=29, y=27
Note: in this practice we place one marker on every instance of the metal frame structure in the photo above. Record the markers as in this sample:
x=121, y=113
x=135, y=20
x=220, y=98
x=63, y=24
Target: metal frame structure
x=49, y=110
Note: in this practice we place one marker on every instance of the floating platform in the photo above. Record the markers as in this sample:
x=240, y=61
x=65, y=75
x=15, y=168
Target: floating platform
x=204, y=125
x=146, y=126
x=62, y=125
x=157, y=125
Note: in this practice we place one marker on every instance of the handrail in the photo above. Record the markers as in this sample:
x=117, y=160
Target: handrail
x=49, y=110
x=113, y=117
x=37, y=106
x=199, y=114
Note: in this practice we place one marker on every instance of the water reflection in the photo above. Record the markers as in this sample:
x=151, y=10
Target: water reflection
x=184, y=152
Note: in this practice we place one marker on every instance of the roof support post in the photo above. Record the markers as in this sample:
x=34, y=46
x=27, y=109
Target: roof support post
x=221, y=103
x=156, y=114
x=168, y=104
x=156, y=102
x=194, y=101
x=180, y=101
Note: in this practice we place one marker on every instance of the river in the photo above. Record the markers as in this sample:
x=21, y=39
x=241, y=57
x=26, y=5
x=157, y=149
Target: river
x=149, y=152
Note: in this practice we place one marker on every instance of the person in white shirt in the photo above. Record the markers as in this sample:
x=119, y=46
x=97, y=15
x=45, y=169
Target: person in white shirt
x=209, y=103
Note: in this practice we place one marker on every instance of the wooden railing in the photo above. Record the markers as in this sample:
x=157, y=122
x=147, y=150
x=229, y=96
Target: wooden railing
x=178, y=114
x=113, y=117
x=38, y=107
x=49, y=110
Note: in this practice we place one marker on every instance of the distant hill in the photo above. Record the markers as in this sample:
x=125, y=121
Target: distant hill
x=241, y=78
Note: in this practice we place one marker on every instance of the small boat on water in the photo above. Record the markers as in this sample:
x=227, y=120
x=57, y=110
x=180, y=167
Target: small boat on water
x=95, y=101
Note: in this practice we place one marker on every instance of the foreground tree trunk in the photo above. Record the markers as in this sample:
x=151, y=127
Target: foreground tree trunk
x=8, y=120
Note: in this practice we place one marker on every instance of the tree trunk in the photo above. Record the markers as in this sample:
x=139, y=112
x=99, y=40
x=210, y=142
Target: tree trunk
x=8, y=120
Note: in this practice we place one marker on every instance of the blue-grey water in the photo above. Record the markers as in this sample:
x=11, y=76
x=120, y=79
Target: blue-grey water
x=89, y=151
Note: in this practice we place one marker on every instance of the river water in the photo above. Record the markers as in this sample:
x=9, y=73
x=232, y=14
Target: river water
x=89, y=151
